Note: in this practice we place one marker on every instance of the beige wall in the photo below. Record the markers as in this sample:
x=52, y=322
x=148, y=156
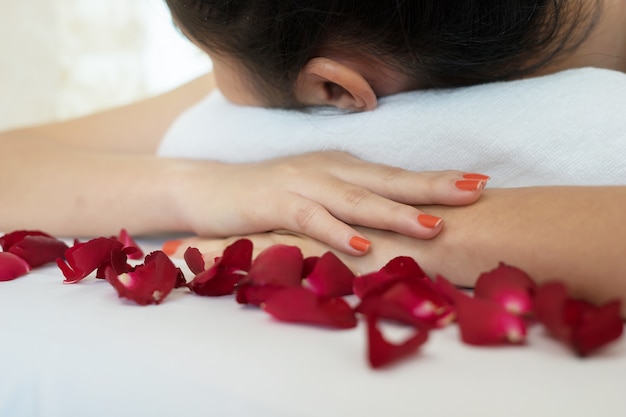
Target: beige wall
x=62, y=58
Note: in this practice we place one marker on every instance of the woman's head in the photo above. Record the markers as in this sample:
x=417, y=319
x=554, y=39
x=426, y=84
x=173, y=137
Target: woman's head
x=419, y=43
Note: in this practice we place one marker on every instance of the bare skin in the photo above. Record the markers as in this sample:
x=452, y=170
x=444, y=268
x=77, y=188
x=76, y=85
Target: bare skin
x=604, y=48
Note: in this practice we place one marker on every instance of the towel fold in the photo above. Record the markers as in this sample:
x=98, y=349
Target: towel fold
x=567, y=128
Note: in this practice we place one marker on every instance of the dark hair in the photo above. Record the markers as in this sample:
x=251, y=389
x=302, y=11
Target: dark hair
x=447, y=42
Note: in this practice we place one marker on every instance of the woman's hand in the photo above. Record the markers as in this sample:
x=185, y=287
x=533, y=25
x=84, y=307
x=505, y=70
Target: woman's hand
x=318, y=195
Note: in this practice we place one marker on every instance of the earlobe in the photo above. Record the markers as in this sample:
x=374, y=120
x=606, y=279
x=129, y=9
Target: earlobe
x=327, y=82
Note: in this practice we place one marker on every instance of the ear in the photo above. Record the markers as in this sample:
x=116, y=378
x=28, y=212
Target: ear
x=326, y=82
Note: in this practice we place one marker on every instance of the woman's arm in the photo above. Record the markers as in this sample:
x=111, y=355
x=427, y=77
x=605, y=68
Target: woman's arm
x=573, y=234
x=135, y=128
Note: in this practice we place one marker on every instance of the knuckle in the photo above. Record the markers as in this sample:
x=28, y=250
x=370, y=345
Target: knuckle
x=305, y=215
x=433, y=186
x=355, y=195
x=390, y=173
x=286, y=170
x=336, y=156
x=395, y=217
x=337, y=153
x=450, y=173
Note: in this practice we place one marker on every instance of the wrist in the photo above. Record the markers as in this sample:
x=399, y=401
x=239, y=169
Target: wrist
x=187, y=189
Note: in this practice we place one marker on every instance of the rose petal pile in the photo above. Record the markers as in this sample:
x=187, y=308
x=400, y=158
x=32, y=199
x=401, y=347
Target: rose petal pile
x=316, y=290
x=147, y=283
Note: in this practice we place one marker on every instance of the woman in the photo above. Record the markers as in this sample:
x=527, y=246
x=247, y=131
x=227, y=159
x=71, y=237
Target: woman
x=345, y=54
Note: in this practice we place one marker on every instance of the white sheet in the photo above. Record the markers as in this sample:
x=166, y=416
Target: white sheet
x=566, y=128
x=78, y=350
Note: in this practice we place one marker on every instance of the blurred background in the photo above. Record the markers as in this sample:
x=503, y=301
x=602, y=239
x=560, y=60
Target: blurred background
x=64, y=58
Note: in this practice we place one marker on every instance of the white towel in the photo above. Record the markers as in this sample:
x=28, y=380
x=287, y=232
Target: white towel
x=566, y=128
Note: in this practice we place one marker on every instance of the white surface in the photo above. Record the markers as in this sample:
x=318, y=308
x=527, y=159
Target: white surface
x=567, y=128
x=78, y=350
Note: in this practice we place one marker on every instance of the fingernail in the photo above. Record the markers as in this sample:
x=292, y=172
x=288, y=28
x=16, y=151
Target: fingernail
x=429, y=221
x=171, y=246
x=360, y=244
x=476, y=176
x=470, y=185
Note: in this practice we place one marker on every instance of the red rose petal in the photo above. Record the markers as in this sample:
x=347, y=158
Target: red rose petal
x=380, y=352
x=194, y=260
x=135, y=251
x=308, y=265
x=422, y=301
x=448, y=290
x=248, y=293
x=35, y=247
x=300, y=305
x=364, y=284
x=237, y=256
x=510, y=287
x=8, y=240
x=39, y=250
x=375, y=305
x=84, y=258
x=330, y=277
x=118, y=261
x=149, y=283
x=279, y=265
x=404, y=267
x=223, y=277
x=410, y=300
x=276, y=268
x=484, y=322
x=181, y=281
x=549, y=306
x=12, y=266
x=598, y=327
x=579, y=324
x=401, y=267
x=212, y=283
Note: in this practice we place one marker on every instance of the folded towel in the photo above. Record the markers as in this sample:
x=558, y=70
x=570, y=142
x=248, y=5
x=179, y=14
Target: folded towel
x=565, y=128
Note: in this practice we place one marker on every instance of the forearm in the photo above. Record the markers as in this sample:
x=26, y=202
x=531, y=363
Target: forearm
x=573, y=234
x=135, y=128
x=75, y=192
x=95, y=174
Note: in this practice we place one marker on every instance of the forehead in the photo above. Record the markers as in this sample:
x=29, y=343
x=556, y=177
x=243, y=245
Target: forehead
x=231, y=77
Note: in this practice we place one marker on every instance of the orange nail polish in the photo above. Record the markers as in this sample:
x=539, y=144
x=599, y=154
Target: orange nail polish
x=360, y=244
x=171, y=246
x=475, y=176
x=429, y=221
x=470, y=185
